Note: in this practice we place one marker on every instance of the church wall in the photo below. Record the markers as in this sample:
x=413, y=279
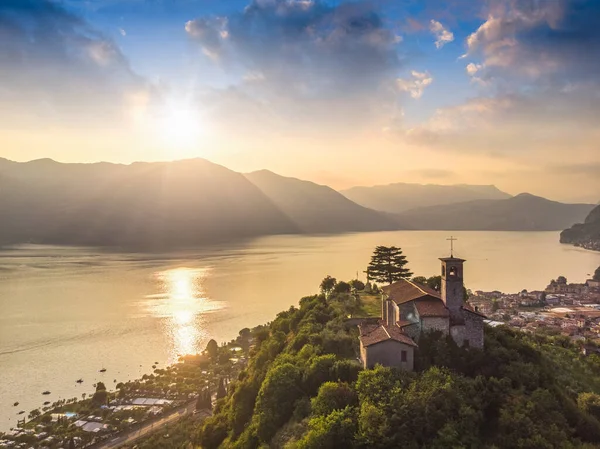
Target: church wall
x=407, y=312
x=388, y=353
x=474, y=330
x=429, y=324
x=412, y=330
x=459, y=334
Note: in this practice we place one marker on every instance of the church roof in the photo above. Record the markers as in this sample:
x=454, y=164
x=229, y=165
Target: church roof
x=431, y=307
x=373, y=334
x=406, y=291
x=469, y=308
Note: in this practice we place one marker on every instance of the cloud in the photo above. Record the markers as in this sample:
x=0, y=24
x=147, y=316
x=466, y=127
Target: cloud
x=554, y=42
x=415, y=85
x=55, y=65
x=442, y=35
x=305, y=60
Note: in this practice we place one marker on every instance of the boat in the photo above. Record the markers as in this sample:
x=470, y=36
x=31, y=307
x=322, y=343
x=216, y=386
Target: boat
x=21, y=412
x=46, y=392
x=79, y=381
x=103, y=370
x=47, y=402
x=15, y=404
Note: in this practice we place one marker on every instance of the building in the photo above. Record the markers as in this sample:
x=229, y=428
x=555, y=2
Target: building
x=410, y=309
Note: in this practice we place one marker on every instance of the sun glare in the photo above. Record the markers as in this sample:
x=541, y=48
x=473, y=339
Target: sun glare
x=180, y=127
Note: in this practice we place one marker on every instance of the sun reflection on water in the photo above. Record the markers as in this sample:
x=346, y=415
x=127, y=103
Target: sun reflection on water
x=182, y=303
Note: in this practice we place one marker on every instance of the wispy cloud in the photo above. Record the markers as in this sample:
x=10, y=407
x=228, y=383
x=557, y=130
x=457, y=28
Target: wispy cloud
x=442, y=34
x=416, y=84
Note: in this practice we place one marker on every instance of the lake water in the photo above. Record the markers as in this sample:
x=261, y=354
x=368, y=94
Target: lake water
x=65, y=313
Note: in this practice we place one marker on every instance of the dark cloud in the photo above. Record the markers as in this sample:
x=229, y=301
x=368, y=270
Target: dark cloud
x=54, y=65
x=306, y=59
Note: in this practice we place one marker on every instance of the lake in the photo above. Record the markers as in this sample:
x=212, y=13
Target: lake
x=66, y=313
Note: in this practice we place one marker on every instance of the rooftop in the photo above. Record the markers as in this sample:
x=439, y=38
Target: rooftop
x=373, y=334
x=406, y=291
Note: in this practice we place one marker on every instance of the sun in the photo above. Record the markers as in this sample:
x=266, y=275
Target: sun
x=180, y=127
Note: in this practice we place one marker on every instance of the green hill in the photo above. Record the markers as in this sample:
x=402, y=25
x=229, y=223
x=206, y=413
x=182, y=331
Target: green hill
x=586, y=234
x=304, y=388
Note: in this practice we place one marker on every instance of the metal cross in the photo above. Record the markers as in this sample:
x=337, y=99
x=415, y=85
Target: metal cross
x=452, y=240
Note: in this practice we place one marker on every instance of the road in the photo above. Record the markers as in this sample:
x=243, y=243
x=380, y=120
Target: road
x=148, y=428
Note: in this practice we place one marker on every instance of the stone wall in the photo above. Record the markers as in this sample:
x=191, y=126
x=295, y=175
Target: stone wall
x=474, y=329
x=435, y=324
x=388, y=353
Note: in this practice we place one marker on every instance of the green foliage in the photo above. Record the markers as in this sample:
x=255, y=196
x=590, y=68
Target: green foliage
x=357, y=285
x=333, y=396
x=327, y=285
x=388, y=265
x=212, y=348
x=342, y=287
x=597, y=274
x=304, y=389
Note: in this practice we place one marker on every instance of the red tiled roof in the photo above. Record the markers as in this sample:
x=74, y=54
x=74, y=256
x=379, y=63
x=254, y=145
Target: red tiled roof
x=406, y=291
x=431, y=307
x=371, y=335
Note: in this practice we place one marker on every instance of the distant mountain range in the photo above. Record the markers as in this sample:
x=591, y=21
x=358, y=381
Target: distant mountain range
x=315, y=208
x=400, y=197
x=524, y=212
x=586, y=234
x=168, y=204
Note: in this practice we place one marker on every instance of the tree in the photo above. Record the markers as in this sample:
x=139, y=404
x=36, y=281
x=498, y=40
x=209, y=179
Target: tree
x=420, y=280
x=221, y=391
x=435, y=282
x=357, y=285
x=100, y=397
x=342, y=287
x=561, y=280
x=212, y=348
x=327, y=285
x=597, y=274
x=388, y=265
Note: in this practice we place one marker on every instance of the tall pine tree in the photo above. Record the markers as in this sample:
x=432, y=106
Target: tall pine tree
x=388, y=265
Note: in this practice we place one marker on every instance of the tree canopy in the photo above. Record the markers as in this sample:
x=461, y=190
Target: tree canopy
x=597, y=274
x=388, y=265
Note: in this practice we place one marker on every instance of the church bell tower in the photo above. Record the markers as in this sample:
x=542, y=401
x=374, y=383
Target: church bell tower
x=452, y=283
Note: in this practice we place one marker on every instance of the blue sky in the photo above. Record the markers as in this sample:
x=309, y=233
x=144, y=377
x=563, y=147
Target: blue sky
x=342, y=93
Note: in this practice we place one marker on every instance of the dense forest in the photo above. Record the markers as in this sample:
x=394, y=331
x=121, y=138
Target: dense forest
x=304, y=388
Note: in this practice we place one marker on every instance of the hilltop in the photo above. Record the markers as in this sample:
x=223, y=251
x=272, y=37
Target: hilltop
x=586, y=234
x=303, y=388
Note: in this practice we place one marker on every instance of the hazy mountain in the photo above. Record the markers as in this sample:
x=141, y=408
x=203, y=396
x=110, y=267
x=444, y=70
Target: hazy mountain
x=586, y=234
x=316, y=208
x=143, y=204
x=399, y=197
x=524, y=212
x=164, y=204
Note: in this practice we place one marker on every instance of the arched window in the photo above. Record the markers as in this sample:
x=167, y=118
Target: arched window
x=452, y=271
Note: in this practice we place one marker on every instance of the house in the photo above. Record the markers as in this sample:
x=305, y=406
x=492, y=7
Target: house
x=410, y=309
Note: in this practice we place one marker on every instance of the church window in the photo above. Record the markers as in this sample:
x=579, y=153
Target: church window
x=452, y=271
x=443, y=270
x=403, y=356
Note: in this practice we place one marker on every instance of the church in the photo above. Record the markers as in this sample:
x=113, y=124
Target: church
x=410, y=309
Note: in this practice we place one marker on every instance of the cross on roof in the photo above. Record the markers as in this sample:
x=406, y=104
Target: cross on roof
x=452, y=240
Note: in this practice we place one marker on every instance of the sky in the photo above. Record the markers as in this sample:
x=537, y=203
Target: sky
x=343, y=93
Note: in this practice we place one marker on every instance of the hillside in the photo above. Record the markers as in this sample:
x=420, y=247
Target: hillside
x=164, y=204
x=586, y=234
x=523, y=212
x=303, y=388
x=316, y=208
x=142, y=205
x=400, y=197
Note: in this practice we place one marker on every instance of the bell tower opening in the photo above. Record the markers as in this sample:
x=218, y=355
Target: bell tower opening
x=452, y=283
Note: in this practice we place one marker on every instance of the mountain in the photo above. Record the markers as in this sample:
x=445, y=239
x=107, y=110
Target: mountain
x=524, y=212
x=586, y=234
x=163, y=204
x=316, y=208
x=399, y=197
